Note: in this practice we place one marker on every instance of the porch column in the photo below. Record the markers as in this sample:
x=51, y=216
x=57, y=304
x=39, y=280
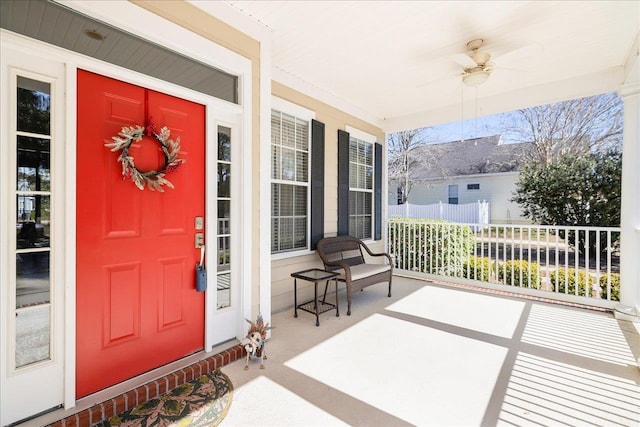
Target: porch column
x=629, y=307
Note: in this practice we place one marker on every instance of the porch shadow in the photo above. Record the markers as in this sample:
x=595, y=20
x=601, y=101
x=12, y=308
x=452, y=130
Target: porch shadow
x=428, y=357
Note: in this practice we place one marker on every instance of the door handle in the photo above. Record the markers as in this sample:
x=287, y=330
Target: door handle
x=199, y=241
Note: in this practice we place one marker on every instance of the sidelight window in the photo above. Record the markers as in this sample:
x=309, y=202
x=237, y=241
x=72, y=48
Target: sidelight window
x=33, y=144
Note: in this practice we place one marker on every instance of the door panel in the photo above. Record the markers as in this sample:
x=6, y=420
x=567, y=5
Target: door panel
x=135, y=249
x=122, y=303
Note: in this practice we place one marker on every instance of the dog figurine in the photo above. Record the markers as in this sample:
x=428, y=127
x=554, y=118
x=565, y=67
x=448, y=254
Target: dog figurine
x=256, y=337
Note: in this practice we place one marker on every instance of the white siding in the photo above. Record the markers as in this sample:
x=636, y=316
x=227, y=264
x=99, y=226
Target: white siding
x=497, y=189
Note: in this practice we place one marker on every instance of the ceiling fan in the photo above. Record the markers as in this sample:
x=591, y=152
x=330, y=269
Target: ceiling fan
x=476, y=63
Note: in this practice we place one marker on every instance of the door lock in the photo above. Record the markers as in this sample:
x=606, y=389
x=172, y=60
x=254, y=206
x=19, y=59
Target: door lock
x=199, y=223
x=199, y=240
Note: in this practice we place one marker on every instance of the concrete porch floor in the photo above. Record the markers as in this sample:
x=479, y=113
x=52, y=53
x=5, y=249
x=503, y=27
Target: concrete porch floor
x=435, y=355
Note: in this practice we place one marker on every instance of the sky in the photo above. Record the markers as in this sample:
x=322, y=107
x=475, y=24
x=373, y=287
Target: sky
x=495, y=124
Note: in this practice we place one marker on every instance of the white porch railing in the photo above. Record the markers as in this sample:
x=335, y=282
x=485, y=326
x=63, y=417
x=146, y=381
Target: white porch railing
x=477, y=212
x=579, y=264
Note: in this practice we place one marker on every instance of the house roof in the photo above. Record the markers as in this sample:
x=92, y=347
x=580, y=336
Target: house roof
x=398, y=62
x=470, y=157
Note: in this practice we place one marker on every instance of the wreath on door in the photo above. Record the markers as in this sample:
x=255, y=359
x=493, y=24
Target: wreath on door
x=153, y=179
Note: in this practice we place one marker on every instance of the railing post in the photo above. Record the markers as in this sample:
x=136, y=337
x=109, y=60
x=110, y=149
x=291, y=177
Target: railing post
x=630, y=208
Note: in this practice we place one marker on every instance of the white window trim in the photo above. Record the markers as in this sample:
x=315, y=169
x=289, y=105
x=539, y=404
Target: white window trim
x=301, y=113
x=293, y=109
x=361, y=135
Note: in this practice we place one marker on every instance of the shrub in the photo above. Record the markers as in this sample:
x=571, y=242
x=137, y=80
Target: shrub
x=513, y=268
x=477, y=268
x=430, y=246
x=562, y=276
x=615, y=286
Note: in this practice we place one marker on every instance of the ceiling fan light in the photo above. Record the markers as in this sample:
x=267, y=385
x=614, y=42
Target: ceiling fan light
x=481, y=58
x=476, y=78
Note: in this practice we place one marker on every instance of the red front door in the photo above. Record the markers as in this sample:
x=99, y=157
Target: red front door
x=137, y=306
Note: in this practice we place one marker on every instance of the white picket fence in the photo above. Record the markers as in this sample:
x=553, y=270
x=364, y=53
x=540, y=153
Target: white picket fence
x=476, y=213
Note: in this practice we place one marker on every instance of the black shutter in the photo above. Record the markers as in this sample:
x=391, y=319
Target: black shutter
x=317, y=183
x=343, y=183
x=377, y=192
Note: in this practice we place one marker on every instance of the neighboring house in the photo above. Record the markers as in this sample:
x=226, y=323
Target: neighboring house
x=479, y=169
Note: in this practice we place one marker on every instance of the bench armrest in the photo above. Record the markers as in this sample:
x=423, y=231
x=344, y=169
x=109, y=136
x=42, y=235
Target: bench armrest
x=379, y=254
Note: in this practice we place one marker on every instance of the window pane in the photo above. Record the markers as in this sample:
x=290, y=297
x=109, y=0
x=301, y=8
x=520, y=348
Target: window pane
x=275, y=162
x=366, y=204
x=33, y=221
x=224, y=290
x=302, y=160
x=286, y=234
x=224, y=143
x=224, y=180
x=360, y=214
x=368, y=153
x=288, y=164
x=288, y=131
x=33, y=331
x=353, y=150
x=275, y=199
x=275, y=236
x=224, y=216
x=300, y=202
x=275, y=127
x=352, y=202
x=33, y=164
x=361, y=176
x=353, y=175
x=368, y=178
x=224, y=253
x=32, y=278
x=366, y=227
x=362, y=152
x=34, y=106
x=300, y=232
x=302, y=135
x=286, y=200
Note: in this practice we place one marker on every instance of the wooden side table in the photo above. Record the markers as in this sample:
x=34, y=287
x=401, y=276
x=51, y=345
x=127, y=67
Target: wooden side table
x=314, y=306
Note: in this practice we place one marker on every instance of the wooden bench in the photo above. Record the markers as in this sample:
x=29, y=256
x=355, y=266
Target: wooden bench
x=343, y=254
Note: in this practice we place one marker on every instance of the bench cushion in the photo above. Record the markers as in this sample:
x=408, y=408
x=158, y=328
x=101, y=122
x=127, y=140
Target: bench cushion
x=364, y=270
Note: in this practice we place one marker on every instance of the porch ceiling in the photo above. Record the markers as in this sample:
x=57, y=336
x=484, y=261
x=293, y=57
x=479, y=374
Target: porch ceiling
x=393, y=60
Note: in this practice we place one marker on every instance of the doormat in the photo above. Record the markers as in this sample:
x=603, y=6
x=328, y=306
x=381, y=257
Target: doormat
x=199, y=403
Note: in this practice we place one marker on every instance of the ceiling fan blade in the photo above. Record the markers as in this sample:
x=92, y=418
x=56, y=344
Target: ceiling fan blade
x=464, y=60
x=444, y=82
x=523, y=53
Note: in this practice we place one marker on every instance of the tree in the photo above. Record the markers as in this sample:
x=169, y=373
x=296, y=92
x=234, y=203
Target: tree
x=574, y=127
x=404, y=155
x=573, y=190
